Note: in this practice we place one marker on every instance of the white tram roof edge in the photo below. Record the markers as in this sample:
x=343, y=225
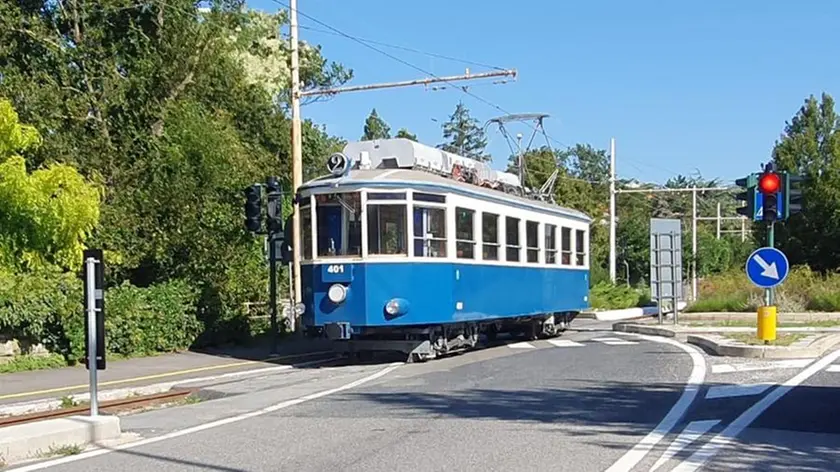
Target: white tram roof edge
x=421, y=180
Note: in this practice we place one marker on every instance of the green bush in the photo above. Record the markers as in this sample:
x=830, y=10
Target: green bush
x=142, y=321
x=46, y=307
x=615, y=297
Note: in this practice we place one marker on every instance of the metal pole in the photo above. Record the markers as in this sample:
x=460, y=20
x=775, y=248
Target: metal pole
x=297, y=155
x=91, y=322
x=407, y=83
x=694, y=244
x=718, y=220
x=743, y=229
x=612, y=210
x=770, y=292
x=272, y=290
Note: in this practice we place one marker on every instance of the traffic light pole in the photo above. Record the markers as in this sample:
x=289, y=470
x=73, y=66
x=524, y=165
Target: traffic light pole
x=272, y=290
x=769, y=294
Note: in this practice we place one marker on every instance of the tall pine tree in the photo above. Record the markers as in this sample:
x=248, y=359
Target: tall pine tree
x=375, y=127
x=463, y=135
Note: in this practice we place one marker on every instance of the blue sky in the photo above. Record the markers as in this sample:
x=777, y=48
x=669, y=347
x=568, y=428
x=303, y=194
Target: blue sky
x=682, y=86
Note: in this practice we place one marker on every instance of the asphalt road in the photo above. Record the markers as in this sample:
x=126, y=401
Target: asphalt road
x=587, y=401
x=580, y=404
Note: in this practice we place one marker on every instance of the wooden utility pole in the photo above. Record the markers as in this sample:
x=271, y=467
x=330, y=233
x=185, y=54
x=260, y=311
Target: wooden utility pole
x=297, y=145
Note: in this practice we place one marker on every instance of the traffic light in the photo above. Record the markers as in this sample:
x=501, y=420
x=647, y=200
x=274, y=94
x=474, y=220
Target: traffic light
x=253, y=208
x=770, y=185
x=792, y=193
x=747, y=183
x=275, y=208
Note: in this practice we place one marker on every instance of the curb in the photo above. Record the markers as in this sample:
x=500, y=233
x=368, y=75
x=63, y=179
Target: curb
x=721, y=346
x=631, y=313
x=32, y=440
x=38, y=406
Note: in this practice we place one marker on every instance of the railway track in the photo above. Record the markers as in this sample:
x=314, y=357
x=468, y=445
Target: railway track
x=109, y=407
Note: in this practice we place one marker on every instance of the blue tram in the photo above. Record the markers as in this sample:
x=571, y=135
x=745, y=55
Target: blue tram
x=409, y=248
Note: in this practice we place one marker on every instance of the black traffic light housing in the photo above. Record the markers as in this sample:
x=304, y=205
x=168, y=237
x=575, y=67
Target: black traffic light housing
x=275, y=208
x=791, y=183
x=253, y=208
x=770, y=186
x=747, y=196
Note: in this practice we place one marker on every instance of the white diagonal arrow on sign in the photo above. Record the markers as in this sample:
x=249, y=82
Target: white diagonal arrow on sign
x=768, y=270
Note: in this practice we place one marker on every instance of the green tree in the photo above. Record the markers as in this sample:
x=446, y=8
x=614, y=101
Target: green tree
x=45, y=216
x=463, y=135
x=375, y=127
x=810, y=147
x=404, y=133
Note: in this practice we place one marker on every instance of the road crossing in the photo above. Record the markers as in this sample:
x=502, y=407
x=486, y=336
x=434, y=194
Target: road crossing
x=564, y=343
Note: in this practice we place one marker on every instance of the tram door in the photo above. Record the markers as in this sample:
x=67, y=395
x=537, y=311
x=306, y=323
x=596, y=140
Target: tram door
x=329, y=230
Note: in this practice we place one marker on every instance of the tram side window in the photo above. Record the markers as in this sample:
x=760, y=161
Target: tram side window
x=512, y=238
x=305, y=231
x=464, y=233
x=533, y=241
x=490, y=236
x=387, y=229
x=566, y=246
x=429, y=232
x=550, y=244
x=580, y=247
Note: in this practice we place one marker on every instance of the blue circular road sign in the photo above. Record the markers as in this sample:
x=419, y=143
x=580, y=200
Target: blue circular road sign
x=767, y=267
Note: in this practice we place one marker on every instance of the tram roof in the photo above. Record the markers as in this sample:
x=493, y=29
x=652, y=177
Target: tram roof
x=417, y=179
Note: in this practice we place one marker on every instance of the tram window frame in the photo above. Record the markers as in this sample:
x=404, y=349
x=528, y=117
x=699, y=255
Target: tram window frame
x=464, y=233
x=428, y=197
x=490, y=242
x=436, y=245
x=351, y=228
x=550, y=244
x=512, y=251
x=580, y=247
x=372, y=214
x=532, y=241
x=565, y=245
x=306, y=229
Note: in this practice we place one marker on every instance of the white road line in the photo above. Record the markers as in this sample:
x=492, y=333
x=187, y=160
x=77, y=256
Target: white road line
x=694, y=430
x=522, y=345
x=727, y=391
x=833, y=368
x=702, y=455
x=213, y=424
x=785, y=364
x=692, y=386
x=614, y=341
x=564, y=343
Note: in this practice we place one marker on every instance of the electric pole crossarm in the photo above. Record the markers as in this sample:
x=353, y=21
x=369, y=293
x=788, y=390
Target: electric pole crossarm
x=656, y=190
x=408, y=83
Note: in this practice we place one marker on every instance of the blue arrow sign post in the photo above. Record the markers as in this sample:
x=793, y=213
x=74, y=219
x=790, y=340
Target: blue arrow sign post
x=767, y=267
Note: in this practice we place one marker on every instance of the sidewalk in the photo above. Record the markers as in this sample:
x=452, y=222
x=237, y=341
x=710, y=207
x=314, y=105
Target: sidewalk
x=31, y=386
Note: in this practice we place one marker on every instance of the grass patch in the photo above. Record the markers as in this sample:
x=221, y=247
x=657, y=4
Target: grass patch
x=606, y=296
x=803, y=290
x=66, y=450
x=751, y=324
x=782, y=339
x=28, y=362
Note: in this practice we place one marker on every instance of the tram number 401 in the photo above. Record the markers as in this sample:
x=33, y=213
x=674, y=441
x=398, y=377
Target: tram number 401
x=335, y=269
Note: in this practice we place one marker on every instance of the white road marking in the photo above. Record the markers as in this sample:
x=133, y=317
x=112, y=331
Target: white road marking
x=694, y=430
x=702, y=455
x=522, y=345
x=564, y=343
x=212, y=424
x=785, y=364
x=614, y=341
x=833, y=368
x=727, y=391
x=692, y=386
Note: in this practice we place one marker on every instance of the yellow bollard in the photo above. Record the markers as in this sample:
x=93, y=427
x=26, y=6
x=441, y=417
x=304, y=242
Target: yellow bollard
x=767, y=323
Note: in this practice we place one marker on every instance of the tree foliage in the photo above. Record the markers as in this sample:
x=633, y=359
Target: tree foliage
x=375, y=127
x=404, y=133
x=46, y=215
x=463, y=135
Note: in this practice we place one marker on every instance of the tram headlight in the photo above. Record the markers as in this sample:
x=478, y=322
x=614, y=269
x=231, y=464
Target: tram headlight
x=337, y=293
x=396, y=306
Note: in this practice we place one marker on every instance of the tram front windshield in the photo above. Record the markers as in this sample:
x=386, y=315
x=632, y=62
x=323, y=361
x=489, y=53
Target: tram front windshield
x=339, y=224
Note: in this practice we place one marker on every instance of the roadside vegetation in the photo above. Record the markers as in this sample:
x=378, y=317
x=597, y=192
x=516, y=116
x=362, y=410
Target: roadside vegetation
x=135, y=128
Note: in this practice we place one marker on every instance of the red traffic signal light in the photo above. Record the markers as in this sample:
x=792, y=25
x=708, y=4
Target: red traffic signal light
x=769, y=183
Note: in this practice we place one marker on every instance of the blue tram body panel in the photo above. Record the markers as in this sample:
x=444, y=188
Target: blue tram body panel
x=439, y=293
